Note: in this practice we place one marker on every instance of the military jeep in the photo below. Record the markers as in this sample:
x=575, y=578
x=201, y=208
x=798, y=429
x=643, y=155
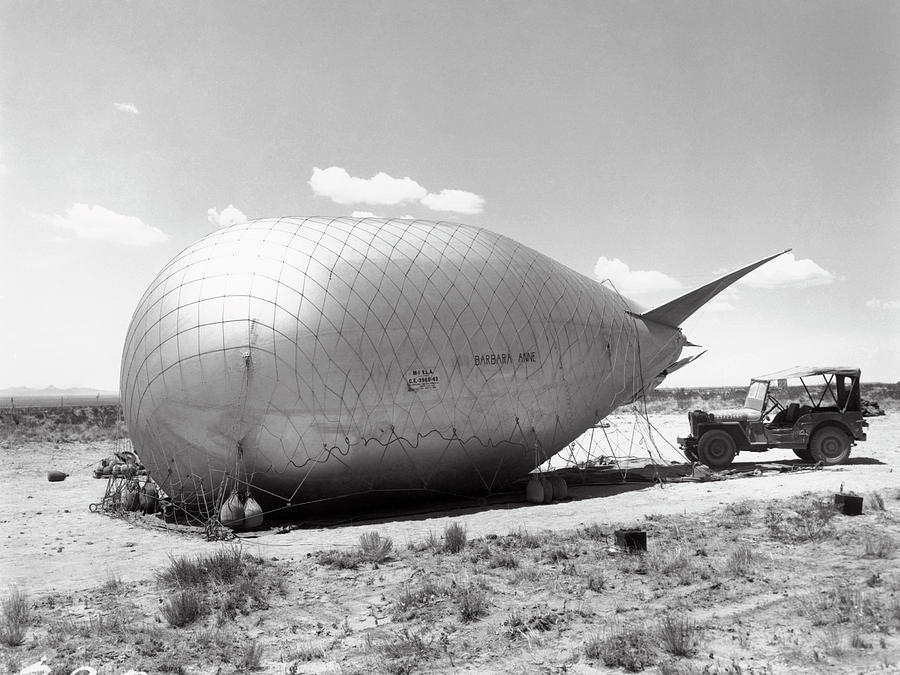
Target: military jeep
x=820, y=428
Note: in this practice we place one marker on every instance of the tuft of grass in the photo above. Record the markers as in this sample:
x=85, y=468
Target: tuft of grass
x=113, y=583
x=471, y=602
x=596, y=581
x=411, y=600
x=678, y=635
x=742, y=560
x=630, y=649
x=525, y=539
x=505, y=560
x=16, y=616
x=307, y=652
x=516, y=626
x=556, y=554
x=342, y=560
x=875, y=501
x=223, y=566
x=183, y=608
x=405, y=652
x=454, y=537
x=251, y=656
x=594, y=532
x=374, y=548
x=879, y=546
x=433, y=542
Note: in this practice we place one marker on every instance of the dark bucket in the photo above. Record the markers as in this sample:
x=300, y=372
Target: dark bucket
x=849, y=505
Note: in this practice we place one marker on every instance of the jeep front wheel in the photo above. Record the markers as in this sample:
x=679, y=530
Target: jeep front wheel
x=716, y=449
x=830, y=446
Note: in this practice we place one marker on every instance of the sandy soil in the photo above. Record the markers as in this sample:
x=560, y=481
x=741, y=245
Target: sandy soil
x=52, y=542
x=54, y=545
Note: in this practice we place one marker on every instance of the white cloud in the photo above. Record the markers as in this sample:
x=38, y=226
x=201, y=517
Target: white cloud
x=3, y=168
x=342, y=188
x=787, y=272
x=228, y=216
x=382, y=189
x=458, y=201
x=100, y=224
x=878, y=303
x=129, y=108
x=363, y=214
x=628, y=281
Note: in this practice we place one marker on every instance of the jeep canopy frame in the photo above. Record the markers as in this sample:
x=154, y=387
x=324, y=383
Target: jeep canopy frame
x=840, y=383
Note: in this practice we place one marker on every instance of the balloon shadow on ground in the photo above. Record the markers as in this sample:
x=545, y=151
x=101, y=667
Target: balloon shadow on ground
x=583, y=483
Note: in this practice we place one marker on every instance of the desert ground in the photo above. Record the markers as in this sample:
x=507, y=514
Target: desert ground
x=750, y=574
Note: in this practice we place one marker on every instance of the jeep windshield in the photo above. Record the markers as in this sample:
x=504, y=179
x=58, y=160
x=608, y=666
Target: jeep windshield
x=756, y=395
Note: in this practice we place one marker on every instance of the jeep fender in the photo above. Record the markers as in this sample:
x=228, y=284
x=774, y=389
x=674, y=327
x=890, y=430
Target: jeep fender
x=811, y=430
x=741, y=442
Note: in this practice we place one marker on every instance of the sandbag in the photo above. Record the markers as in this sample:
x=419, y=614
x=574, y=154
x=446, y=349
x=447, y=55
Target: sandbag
x=232, y=512
x=253, y=514
x=56, y=476
x=548, y=490
x=560, y=488
x=131, y=497
x=534, y=491
x=148, y=497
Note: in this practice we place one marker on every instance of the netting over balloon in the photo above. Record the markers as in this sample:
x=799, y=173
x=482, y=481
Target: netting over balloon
x=313, y=359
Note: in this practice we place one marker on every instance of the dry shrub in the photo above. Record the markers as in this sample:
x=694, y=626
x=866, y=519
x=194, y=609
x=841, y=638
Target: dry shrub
x=342, y=560
x=678, y=635
x=454, y=538
x=251, y=656
x=16, y=616
x=223, y=566
x=596, y=581
x=742, y=561
x=537, y=621
x=226, y=581
x=411, y=600
x=404, y=653
x=471, y=602
x=629, y=648
x=374, y=548
x=183, y=608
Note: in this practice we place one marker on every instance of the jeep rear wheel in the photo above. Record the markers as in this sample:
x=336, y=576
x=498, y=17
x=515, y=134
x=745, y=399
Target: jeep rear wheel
x=830, y=446
x=716, y=449
x=804, y=454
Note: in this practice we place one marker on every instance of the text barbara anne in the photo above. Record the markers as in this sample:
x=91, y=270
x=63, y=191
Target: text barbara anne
x=504, y=358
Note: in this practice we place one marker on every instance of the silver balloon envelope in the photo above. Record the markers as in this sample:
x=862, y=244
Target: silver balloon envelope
x=313, y=359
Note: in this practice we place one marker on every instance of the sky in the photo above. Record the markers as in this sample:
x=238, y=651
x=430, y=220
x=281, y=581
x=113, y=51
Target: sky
x=653, y=144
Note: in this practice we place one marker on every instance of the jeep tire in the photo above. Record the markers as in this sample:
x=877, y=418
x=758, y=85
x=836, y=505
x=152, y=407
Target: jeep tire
x=716, y=449
x=830, y=446
x=804, y=454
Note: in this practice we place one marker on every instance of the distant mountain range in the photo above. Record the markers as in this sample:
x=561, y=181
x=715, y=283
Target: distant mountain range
x=26, y=392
